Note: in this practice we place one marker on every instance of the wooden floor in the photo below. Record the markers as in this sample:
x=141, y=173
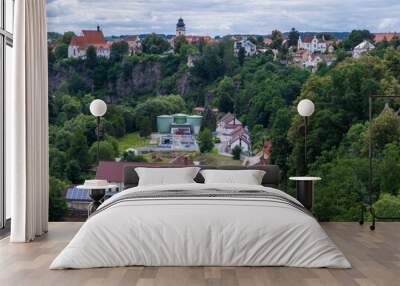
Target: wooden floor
x=375, y=257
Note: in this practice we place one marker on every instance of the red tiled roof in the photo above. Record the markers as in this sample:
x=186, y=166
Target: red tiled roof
x=239, y=131
x=267, y=41
x=79, y=41
x=301, y=53
x=113, y=171
x=227, y=118
x=307, y=39
x=130, y=38
x=380, y=37
x=89, y=38
x=233, y=126
x=195, y=38
x=94, y=37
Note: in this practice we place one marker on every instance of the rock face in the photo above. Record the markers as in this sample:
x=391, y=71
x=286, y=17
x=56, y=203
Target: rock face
x=135, y=79
x=143, y=79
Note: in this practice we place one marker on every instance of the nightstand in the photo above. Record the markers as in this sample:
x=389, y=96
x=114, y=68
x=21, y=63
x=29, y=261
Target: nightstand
x=305, y=190
x=97, y=191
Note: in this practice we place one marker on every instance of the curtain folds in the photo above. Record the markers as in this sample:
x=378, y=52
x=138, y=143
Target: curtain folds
x=27, y=120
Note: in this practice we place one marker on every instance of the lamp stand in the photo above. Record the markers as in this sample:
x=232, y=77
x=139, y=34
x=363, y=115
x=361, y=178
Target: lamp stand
x=305, y=144
x=98, y=139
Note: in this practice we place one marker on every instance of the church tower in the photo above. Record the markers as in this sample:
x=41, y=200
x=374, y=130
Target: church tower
x=180, y=28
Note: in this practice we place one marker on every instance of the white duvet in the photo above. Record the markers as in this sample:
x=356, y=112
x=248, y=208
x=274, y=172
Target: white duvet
x=200, y=231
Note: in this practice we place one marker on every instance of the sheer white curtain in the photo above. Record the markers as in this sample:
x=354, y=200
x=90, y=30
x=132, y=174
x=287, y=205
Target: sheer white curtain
x=27, y=123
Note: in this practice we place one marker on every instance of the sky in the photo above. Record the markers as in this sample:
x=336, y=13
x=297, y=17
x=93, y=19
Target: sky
x=222, y=17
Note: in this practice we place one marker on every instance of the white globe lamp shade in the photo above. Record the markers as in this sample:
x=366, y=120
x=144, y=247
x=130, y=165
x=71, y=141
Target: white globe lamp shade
x=305, y=107
x=98, y=107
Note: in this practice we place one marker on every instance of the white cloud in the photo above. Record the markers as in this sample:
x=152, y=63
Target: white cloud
x=216, y=17
x=389, y=23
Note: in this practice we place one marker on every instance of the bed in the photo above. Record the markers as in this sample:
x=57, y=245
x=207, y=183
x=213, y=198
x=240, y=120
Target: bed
x=201, y=224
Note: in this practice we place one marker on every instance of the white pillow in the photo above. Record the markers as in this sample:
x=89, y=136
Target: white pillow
x=166, y=176
x=248, y=177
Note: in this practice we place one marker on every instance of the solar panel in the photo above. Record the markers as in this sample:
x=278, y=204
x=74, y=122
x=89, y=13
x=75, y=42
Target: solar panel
x=75, y=194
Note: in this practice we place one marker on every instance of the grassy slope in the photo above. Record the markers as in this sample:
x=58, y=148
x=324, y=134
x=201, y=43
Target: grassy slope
x=132, y=140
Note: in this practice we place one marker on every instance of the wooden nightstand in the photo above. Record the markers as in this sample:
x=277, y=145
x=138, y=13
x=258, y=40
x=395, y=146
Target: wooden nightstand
x=305, y=190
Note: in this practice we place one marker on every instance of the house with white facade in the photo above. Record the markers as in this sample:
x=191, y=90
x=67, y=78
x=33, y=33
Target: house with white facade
x=134, y=43
x=362, y=49
x=231, y=133
x=249, y=48
x=226, y=122
x=312, y=44
x=79, y=44
x=312, y=61
x=240, y=137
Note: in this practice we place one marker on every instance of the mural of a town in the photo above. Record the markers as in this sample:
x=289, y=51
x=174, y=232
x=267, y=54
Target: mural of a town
x=163, y=107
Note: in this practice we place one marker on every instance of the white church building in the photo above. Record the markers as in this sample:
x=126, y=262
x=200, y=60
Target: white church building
x=312, y=44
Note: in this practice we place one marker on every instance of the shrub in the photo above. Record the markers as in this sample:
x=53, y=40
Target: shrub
x=236, y=151
x=206, y=141
x=388, y=206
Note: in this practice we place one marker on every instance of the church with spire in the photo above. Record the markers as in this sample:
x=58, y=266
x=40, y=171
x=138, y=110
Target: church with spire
x=180, y=28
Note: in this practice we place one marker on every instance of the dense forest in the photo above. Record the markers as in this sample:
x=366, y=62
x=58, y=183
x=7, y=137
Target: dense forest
x=263, y=91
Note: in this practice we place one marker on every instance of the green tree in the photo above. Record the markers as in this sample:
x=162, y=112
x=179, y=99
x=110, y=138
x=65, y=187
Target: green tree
x=385, y=129
x=356, y=37
x=57, y=162
x=388, y=206
x=293, y=37
x=145, y=126
x=76, y=85
x=61, y=51
x=153, y=44
x=228, y=57
x=91, y=57
x=118, y=51
x=236, y=152
x=155, y=106
x=341, y=191
x=57, y=205
x=326, y=36
x=389, y=169
x=78, y=151
x=395, y=42
x=106, y=152
x=73, y=171
x=277, y=39
x=180, y=44
x=131, y=157
x=206, y=143
x=241, y=55
x=225, y=93
x=51, y=58
x=66, y=38
x=209, y=119
x=210, y=66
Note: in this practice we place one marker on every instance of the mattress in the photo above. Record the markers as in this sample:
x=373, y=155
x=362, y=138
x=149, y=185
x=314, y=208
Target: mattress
x=201, y=225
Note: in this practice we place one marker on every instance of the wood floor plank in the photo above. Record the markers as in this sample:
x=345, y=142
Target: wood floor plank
x=375, y=257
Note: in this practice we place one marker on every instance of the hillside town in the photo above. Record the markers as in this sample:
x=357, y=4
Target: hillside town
x=175, y=139
x=307, y=52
